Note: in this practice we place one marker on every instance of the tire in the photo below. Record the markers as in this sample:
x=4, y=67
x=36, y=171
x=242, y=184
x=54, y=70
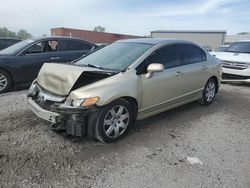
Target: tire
x=209, y=92
x=5, y=81
x=114, y=121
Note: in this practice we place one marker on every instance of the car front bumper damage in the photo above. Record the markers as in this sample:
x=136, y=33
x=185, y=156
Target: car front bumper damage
x=76, y=122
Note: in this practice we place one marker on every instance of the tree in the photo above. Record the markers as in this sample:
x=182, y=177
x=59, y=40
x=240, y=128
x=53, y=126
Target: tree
x=22, y=34
x=4, y=32
x=99, y=29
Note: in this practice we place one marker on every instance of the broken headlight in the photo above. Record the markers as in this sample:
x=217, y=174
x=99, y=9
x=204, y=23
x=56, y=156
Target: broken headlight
x=86, y=102
x=33, y=91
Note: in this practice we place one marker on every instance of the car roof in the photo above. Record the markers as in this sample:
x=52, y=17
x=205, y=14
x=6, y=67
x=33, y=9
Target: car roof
x=155, y=40
x=58, y=37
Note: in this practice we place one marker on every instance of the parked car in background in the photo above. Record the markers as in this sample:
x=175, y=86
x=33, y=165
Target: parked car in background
x=21, y=62
x=222, y=48
x=104, y=92
x=6, y=42
x=208, y=48
x=235, y=62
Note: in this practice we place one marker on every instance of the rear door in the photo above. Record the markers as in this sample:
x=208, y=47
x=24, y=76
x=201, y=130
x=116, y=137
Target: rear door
x=72, y=49
x=30, y=61
x=194, y=69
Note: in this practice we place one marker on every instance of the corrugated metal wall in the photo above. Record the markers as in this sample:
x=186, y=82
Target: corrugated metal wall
x=91, y=36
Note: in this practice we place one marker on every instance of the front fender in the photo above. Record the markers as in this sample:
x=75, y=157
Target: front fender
x=121, y=85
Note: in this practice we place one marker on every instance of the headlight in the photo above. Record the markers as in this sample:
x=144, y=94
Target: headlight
x=85, y=102
x=32, y=90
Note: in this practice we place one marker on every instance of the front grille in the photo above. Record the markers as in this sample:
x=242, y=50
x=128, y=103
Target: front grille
x=234, y=77
x=234, y=65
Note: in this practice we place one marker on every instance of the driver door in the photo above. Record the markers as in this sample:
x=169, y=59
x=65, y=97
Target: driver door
x=163, y=87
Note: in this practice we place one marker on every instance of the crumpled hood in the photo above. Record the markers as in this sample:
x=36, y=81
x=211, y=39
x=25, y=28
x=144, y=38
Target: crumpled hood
x=60, y=78
x=229, y=56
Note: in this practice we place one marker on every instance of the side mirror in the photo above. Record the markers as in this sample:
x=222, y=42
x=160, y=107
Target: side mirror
x=154, y=67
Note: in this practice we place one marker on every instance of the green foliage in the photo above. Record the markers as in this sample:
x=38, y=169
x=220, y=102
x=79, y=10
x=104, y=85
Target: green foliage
x=21, y=34
x=99, y=29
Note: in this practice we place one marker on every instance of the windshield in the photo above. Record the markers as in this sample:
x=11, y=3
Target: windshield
x=117, y=56
x=16, y=47
x=239, y=47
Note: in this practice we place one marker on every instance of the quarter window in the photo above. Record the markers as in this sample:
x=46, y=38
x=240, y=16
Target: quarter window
x=192, y=54
x=169, y=56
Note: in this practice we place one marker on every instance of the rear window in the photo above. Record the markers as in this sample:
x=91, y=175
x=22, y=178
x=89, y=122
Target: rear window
x=192, y=54
x=70, y=45
x=6, y=43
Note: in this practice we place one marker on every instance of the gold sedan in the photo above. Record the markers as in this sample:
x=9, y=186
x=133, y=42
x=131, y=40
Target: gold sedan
x=102, y=94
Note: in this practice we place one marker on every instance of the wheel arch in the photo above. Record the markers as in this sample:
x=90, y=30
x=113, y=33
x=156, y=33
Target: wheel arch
x=10, y=73
x=95, y=113
x=216, y=82
x=134, y=104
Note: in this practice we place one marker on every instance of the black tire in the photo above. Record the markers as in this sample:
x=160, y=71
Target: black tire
x=101, y=128
x=5, y=85
x=209, y=92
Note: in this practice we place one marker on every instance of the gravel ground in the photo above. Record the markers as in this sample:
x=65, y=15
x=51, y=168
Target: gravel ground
x=154, y=154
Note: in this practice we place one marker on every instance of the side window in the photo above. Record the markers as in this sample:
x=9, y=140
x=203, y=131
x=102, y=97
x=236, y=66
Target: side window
x=43, y=47
x=169, y=56
x=192, y=54
x=71, y=45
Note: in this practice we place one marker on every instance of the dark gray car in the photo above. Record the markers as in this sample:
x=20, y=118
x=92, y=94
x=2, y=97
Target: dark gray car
x=6, y=42
x=21, y=62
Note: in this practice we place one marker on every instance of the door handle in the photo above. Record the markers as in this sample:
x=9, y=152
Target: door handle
x=179, y=73
x=54, y=58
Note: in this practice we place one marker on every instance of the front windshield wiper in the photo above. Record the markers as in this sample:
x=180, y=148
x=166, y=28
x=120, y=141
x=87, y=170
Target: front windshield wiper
x=99, y=67
x=95, y=66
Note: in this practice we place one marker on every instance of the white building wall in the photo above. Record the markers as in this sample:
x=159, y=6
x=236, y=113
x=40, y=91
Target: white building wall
x=235, y=38
x=202, y=38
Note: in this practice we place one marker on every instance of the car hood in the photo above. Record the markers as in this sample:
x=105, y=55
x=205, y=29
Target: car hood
x=60, y=79
x=229, y=56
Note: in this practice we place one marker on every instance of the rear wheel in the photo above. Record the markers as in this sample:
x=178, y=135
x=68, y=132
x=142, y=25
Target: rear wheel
x=5, y=81
x=114, y=121
x=209, y=92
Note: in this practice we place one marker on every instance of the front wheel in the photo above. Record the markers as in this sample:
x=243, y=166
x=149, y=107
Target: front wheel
x=209, y=92
x=114, y=121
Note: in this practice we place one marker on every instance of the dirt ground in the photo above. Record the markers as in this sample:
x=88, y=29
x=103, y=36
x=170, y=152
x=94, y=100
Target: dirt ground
x=154, y=154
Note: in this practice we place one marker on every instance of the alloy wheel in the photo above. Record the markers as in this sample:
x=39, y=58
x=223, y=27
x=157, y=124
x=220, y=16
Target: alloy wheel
x=116, y=121
x=3, y=82
x=210, y=91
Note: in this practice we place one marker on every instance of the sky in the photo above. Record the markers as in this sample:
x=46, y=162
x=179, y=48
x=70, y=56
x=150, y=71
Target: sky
x=136, y=17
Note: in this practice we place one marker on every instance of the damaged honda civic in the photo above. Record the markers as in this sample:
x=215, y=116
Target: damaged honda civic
x=102, y=94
